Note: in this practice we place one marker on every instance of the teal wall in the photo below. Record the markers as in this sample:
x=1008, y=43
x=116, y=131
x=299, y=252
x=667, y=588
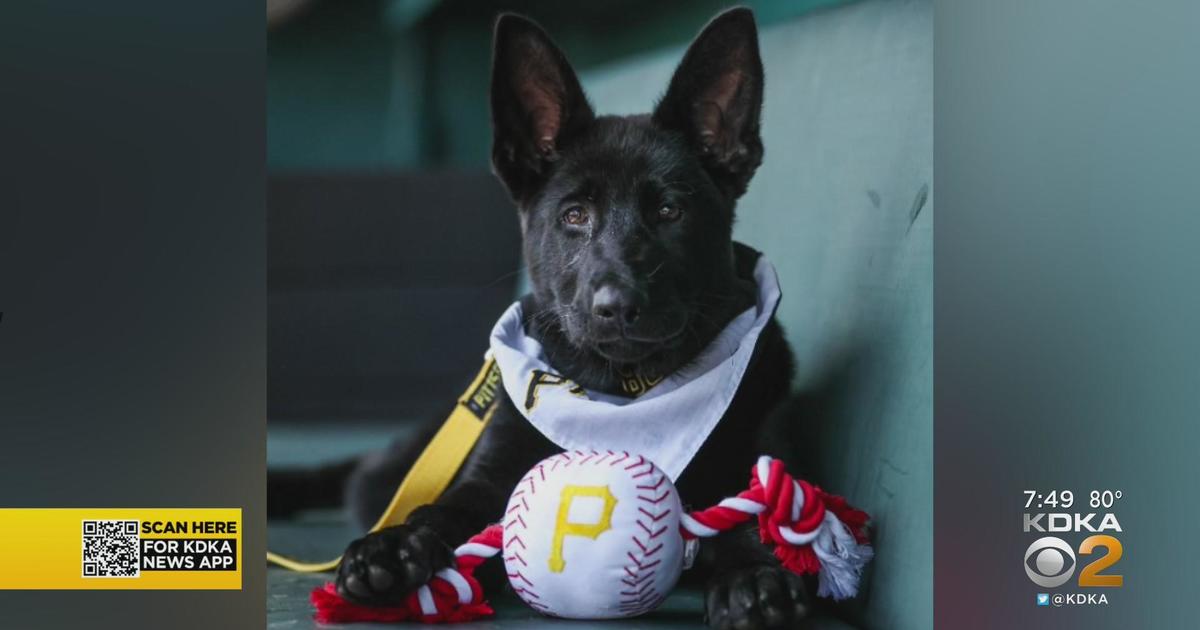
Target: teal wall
x=342, y=87
x=843, y=205
x=387, y=84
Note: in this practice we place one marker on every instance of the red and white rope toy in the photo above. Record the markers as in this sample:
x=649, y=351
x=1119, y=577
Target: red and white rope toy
x=811, y=532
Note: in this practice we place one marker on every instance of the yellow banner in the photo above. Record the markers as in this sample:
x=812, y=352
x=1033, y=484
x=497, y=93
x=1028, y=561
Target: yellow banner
x=118, y=548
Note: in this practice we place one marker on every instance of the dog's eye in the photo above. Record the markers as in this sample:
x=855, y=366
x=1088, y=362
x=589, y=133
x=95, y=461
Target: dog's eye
x=575, y=215
x=669, y=213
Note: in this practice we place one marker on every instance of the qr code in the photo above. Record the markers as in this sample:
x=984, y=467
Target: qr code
x=111, y=549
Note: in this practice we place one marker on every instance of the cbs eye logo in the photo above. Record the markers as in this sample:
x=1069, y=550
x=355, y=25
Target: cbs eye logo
x=1050, y=562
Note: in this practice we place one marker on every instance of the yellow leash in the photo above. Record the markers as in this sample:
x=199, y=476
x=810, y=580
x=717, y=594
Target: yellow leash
x=438, y=463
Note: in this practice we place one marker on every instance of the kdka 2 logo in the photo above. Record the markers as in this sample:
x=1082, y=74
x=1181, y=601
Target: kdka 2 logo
x=1051, y=562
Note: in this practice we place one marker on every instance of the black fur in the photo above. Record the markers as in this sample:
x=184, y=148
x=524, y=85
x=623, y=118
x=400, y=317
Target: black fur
x=627, y=225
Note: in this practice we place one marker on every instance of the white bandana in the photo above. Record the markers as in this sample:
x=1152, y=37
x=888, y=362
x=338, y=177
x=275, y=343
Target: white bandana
x=668, y=423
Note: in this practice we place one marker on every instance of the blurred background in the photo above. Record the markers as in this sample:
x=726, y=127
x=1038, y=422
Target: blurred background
x=392, y=250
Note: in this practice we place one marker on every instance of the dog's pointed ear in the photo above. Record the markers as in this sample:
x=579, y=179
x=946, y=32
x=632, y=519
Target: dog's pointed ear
x=715, y=99
x=537, y=104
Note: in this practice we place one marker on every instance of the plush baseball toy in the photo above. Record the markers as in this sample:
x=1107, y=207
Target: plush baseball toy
x=600, y=535
x=614, y=547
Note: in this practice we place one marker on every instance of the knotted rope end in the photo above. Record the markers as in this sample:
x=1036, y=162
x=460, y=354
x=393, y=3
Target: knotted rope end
x=811, y=531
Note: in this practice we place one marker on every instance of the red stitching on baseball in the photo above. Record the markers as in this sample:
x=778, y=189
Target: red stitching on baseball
x=527, y=591
x=521, y=583
x=639, y=605
x=652, y=533
x=665, y=494
x=624, y=456
x=638, y=591
x=661, y=481
x=639, y=580
x=639, y=563
x=648, y=596
x=640, y=572
x=655, y=603
x=646, y=551
x=641, y=598
x=652, y=516
x=517, y=574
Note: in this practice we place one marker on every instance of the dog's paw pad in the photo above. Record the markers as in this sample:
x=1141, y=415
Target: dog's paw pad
x=383, y=567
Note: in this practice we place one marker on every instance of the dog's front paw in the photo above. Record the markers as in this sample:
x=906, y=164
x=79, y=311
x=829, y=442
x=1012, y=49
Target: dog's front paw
x=755, y=597
x=380, y=569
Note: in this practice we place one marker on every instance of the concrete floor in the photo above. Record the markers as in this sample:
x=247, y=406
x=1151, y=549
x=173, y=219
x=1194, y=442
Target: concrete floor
x=320, y=535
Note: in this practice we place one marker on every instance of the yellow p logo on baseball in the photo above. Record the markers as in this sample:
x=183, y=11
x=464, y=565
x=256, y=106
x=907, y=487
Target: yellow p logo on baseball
x=563, y=527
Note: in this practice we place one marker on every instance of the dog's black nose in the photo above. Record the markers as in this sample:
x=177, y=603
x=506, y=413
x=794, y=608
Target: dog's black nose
x=616, y=305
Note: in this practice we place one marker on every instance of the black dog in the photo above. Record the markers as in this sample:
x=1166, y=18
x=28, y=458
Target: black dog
x=627, y=226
